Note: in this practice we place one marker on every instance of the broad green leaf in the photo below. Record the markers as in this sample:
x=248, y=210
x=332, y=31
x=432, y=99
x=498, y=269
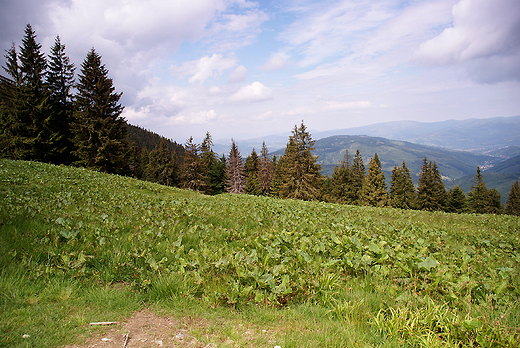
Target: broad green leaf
x=427, y=264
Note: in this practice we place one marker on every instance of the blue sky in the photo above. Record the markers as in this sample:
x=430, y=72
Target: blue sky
x=246, y=69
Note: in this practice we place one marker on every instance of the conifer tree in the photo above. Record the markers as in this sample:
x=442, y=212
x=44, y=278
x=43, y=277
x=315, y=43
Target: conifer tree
x=235, y=172
x=60, y=80
x=252, y=167
x=478, y=196
x=456, y=201
x=358, y=176
x=513, y=201
x=218, y=176
x=193, y=172
x=342, y=184
x=209, y=160
x=144, y=163
x=24, y=101
x=374, y=192
x=494, y=202
x=134, y=161
x=162, y=166
x=431, y=193
x=402, y=190
x=301, y=175
x=14, y=121
x=98, y=128
x=277, y=182
x=265, y=172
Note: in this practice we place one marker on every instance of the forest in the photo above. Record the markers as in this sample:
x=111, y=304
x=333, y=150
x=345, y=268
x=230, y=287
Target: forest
x=43, y=120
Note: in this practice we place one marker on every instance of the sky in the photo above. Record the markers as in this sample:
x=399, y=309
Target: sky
x=246, y=69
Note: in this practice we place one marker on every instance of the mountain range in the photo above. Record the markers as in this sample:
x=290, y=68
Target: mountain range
x=457, y=146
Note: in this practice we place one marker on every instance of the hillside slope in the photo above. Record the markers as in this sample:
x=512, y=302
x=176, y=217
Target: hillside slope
x=452, y=164
x=72, y=239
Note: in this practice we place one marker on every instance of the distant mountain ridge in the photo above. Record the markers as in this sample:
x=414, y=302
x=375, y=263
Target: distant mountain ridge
x=452, y=164
x=477, y=135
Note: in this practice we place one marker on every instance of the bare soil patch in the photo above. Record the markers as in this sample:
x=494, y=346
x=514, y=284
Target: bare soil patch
x=147, y=329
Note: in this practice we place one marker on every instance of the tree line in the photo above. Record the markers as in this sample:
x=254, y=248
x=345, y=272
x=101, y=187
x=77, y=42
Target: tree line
x=42, y=120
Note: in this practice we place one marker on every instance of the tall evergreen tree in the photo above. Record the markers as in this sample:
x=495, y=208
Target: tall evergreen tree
x=162, y=166
x=25, y=106
x=495, y=202
x=12, y=121
x=456, y=201
x=478, y=197
x=343, y=189
x=98, y=128
x=374, y=192
x=301, y=175
x=235, y=172
x=265, y=172
x=513, y=201
x=33, y=68
x=402, y=190
x=431, y=192
x=218, y=176
x=209, y=161
x=252, y=167
x=60, y=80
x=277, y=182
x=358, y=177
x=193, y=172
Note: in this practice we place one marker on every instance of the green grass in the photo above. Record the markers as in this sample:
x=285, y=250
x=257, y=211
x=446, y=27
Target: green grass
x=77, y=246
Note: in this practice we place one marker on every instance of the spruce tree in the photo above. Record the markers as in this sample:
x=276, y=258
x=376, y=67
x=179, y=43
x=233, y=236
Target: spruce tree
x=11, y=107
x=252, y=167
x=98, y=128
x=431, y=192
x=478, y=197
x=374, y=192
x=265, y=172
x=513, y=201
x=209, y=160
x=456, y=201
x=358, y=176
x=301, y=176
x=60, y=80
x=235, y=172
x=193, y=171
x=24, y=101
x=402, y=190
x=162, y=166
x=494, y=202
x=144, y=163
x=278, y=171
x=217, y=176
x=342, y=184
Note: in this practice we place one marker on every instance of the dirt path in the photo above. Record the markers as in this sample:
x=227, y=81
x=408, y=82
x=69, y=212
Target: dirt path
x=146, y=329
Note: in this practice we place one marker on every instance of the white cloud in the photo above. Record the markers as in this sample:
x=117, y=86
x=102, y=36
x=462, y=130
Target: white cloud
x=299, y=111
x=481, y=28
x=204, y=68
x=238, y=75
x=277, y=61
x=254, y=92
x=335, y=106
x=201, y=117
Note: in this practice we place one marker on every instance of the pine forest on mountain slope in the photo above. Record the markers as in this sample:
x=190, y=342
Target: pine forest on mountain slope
x=41, y=120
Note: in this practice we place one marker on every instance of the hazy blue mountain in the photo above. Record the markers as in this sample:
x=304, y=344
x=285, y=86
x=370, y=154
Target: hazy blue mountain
x=479, y=135
x=452, y=164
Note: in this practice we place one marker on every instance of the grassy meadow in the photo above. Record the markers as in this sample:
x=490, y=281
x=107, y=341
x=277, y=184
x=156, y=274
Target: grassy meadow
x=78, y=246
